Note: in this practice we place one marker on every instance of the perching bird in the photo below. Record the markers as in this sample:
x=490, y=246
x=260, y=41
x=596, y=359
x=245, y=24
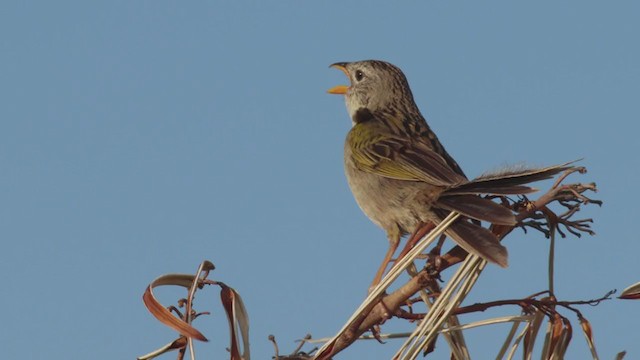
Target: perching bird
x=402, y=177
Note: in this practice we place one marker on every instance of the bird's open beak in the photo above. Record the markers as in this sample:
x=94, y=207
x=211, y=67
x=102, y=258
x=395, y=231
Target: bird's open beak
x=340, y=89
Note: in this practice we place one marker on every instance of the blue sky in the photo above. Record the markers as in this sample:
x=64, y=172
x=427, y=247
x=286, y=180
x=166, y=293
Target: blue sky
x=139, y=138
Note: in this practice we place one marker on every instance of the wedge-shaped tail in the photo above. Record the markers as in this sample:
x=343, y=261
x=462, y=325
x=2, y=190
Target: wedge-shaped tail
x=465, y=200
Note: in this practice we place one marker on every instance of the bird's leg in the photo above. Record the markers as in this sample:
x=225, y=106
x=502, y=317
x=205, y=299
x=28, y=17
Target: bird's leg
x=394, y=241
x=418, y=234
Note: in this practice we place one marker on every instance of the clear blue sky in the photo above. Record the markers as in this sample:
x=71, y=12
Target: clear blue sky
x=139, y=138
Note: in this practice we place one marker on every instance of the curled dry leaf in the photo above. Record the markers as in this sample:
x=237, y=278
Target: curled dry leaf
x=557, y=332
x=588, y=334
x=238, y=321
x=532, y=329
x=162, y=313
x=631, y=293
x=178, y=343
x=586, y=328
x=562, y=345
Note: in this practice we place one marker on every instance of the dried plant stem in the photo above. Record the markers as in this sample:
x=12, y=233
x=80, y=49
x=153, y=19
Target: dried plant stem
x=451, y=296
x=455, y=338
x=357, y=320
x=552, y=256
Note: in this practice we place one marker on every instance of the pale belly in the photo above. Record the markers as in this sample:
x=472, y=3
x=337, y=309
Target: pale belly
x=390, y=203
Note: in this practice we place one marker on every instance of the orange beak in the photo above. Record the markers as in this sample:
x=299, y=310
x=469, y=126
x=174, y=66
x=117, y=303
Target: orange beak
x=340, y=89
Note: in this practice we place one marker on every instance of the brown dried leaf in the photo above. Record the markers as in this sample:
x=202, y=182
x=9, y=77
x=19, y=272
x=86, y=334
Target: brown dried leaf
x=557, y=330
x=533, y=328
x=568, y=335
x=586, y=328
x=588, y=334
x=563, y=343
x=176, y=344
x=165, y=316
x=631, y=293
x=238, y=320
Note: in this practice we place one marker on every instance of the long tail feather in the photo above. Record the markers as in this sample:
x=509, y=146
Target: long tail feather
x=465, y=200
x=508, y=182
x=478, y=208
x=477, y=240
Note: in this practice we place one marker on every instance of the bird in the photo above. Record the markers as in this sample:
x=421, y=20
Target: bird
x=402, y=177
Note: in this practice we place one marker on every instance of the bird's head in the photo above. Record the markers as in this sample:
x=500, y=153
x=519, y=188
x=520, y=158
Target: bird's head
x=374, y=85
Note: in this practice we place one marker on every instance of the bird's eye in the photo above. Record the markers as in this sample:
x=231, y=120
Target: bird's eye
x=359, y=75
